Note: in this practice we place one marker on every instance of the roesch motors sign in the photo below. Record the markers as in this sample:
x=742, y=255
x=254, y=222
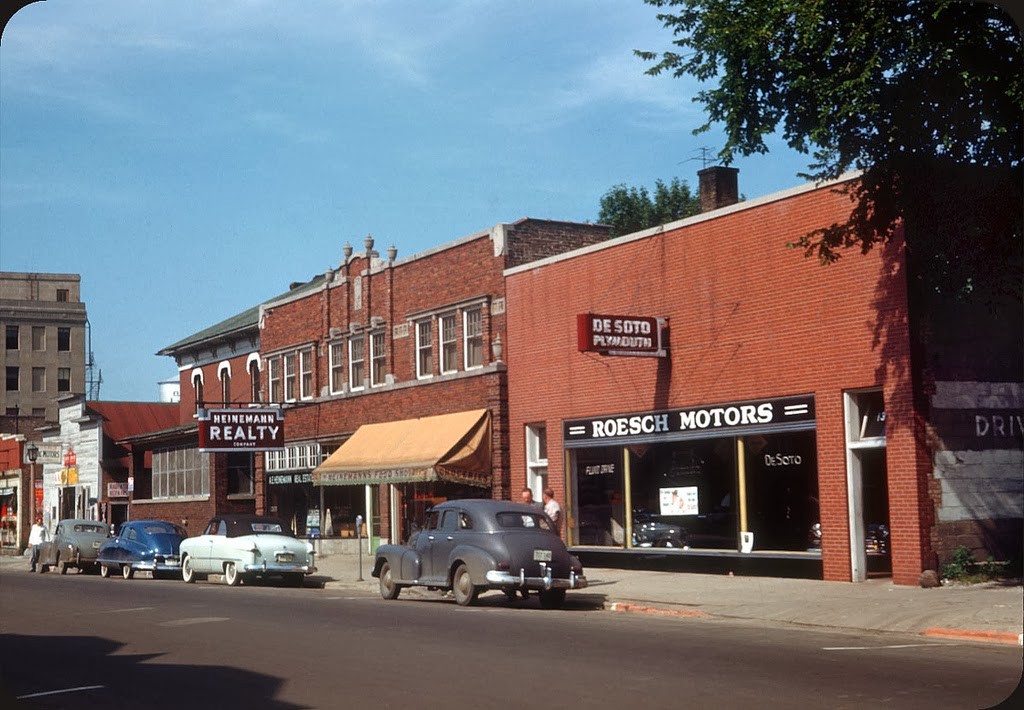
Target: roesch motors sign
x=734, y=417
x=241, y=430
x=637, y=336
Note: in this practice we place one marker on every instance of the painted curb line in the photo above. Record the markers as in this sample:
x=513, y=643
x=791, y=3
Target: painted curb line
x=639, y=608
x=1006, y=637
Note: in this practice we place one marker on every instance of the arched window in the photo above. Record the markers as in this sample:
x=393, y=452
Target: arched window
x=254, y=379
x=197, y=386
x=224, y=374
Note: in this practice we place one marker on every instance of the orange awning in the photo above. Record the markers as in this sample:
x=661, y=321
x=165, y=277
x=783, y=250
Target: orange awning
x=448, y=447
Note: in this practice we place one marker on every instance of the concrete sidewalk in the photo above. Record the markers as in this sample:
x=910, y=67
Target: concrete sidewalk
x=986, y=612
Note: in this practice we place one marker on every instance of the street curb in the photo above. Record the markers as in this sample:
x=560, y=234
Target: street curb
x=1005, y=637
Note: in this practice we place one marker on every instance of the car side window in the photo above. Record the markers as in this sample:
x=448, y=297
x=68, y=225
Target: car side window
x=432, y=518
x=450, y=521
x=465, y=522
x=222, y=529
x=211, y=529
x=131, y=533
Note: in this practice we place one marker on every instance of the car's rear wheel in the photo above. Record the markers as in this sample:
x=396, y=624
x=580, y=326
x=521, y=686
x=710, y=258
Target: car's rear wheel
x=187, y=573
x=552, y=598
x=388, y=588
x=462, y=587
x=127, y=572
x=510, y=594
x=63, y=566
x=293, y=579
x=231, y=575
x=104, y=571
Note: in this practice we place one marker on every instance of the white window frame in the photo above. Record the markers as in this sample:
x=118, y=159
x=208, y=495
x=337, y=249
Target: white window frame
x=336, y=355
x=536, y=457
x=197, y=385
x=290, y=376
x=274, y=382
x=855, y=415
x=424, y=348
x=224, y=377
x=306, y=373
x=252, y=366
x=356, y=362
x=378, y=358
x=468, y=337
x=448, y=334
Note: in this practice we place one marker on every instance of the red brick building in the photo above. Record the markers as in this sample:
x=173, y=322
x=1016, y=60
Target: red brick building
x=788, y=398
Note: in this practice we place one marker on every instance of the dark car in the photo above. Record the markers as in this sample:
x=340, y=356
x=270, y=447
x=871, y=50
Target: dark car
x=150, y=545
x=469, y=546
x=876, y=538
x=75, y=544
x=649, y=530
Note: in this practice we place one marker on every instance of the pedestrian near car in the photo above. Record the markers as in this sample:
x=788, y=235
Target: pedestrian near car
x=36, y=537
x=553, y=509
x=527, y=496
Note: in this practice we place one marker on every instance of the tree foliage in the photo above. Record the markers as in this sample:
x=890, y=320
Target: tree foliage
x=630, y=209
x=881, y=86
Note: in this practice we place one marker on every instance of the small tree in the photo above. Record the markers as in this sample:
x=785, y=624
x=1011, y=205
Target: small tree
x=631, y=209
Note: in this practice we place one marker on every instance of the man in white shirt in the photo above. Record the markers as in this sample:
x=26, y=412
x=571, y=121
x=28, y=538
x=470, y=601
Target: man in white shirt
x=553, y=509
x=36, y=537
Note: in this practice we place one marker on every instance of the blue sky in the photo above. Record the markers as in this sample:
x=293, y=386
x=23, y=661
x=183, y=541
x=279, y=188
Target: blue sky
x=191, y=159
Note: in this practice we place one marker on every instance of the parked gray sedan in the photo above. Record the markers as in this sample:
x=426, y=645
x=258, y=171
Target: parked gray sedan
x=75, y=543
x=469, y=546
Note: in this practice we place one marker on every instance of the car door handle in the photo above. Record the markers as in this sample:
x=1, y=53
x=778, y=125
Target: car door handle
x=450, y=538
x=430, y=537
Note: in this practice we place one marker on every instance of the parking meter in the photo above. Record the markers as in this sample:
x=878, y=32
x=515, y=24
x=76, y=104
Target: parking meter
x=359, y=543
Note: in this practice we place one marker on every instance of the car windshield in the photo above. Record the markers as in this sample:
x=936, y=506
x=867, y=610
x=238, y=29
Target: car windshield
x=90, y=529
x=525, y=521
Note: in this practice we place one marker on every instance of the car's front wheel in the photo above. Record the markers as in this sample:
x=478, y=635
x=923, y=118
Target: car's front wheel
x=187, y=573
x=462, y=587
x=388, y=588
x=551, y=598
x=127, y=572
x=231, y=575
x=104, y=571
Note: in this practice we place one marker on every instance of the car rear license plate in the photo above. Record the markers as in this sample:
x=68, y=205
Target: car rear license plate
x=542, y=555
x=285, y=557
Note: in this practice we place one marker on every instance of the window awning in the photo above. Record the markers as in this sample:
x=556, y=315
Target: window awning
x=449, y=447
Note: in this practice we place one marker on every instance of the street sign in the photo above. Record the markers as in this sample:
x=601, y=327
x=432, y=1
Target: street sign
x=49, y=452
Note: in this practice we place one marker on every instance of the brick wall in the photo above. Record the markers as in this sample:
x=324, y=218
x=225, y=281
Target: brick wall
x=749, y=318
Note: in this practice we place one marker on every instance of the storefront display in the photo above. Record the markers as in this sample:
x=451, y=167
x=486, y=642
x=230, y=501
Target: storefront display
x=708, y=477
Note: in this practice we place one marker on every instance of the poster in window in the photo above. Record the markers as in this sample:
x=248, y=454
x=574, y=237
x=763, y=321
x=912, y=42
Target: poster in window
x=681, y=500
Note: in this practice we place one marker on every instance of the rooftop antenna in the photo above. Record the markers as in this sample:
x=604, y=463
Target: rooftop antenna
x=93, y=376
x=706, y=157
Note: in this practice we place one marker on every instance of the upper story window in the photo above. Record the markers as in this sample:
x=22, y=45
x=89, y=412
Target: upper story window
x=306, y=373
x=39, y=338
x=378, y=359
x=274, y=379
x=63, y=340
x=13, y=377
x=356, y=362
x=12, y=337
x=197, y=384
x=337, y=365
x=473, y=332
x=424, y=349
x=290, y=377
x=255, y=394
x=62, y=295
x=225, y=383
x=38, y=379
x=448, y=328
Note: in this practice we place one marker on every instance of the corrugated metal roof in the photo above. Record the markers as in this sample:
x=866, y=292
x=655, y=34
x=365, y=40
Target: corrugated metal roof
x=123, y=419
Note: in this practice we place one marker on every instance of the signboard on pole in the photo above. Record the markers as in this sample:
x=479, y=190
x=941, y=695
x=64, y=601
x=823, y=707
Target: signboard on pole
x=241, y=429
x=47, y=452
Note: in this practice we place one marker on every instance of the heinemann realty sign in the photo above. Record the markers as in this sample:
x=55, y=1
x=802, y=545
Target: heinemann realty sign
x=241, y=429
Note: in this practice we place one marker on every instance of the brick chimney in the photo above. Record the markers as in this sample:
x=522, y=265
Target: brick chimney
x=718, y=187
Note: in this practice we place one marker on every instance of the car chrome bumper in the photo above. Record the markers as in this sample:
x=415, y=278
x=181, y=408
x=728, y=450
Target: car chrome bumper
x=497, y=578
x=273, y=568
x=170, y=565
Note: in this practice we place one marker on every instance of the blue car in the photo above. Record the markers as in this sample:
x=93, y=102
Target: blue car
x=150, y=545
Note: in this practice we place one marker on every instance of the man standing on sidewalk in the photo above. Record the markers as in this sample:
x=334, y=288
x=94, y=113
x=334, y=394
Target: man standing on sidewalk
x=36, y=537
x=553, y=509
